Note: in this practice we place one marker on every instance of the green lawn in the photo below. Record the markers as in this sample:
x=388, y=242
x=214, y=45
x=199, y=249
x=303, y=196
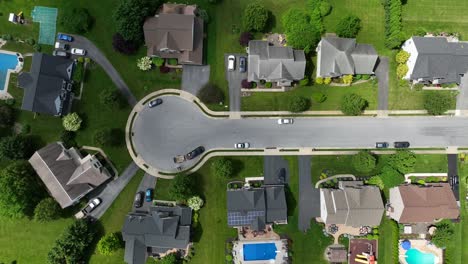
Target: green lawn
x=436, y=16
x=114, y=218
x=385, y=241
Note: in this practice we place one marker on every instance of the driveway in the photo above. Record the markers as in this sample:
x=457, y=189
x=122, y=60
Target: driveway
x=309, y=197
x=194, y=77
x=462, y=98
x=382, y=74
x=112, y=190
x=454, y=180
x=96, y=55
x=275, y=170
x=148, y=181
x=234, y=79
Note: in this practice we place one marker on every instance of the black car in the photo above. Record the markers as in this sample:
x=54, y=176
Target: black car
x=381, y=145
x=138, y=202
x=155, y=102
x=401, y=144
x=194, y=153
x=242, y=64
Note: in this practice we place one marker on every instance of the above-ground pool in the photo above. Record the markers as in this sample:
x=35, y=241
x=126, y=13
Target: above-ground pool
x=7, y=62
x=414, y=256
x=260, y=251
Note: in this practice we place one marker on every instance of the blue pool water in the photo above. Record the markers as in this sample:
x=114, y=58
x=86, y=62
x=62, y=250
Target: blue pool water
x=262, y=251
x=7, y=61
x=414, y=256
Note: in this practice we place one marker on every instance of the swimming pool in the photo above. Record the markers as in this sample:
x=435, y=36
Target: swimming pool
x=414, y=256
x=7, y=62
x=260, y=251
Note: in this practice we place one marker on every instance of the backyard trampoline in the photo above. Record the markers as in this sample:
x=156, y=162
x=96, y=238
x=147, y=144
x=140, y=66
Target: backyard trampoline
x=47, y=19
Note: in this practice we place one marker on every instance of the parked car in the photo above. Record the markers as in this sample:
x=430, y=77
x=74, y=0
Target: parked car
x=285, y=121
x=381, y=145
x=60, y=53
x=61, y=45
x=244, y=145
x=231, y=62
x=138, y=202
x=92, y=205
x=76, y=51
x=242, y=64
x=155, y=102
x=65, y=37
x=194, y=153
x=401, y=144
x=149, y=195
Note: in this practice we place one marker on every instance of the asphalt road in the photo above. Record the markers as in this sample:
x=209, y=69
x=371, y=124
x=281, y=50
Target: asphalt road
x=178, y=126
x=382, y=74
x=234, y=79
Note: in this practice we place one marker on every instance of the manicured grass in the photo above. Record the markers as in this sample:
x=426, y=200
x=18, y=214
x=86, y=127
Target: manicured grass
x=114, y=218
x=306, y=247
x=278, y=101
x=385, y=241
x=436, y=16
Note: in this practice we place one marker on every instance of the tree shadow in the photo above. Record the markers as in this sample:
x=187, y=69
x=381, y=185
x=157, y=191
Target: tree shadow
x=99, y=231
x=197, y=232
x=271, y=22
x=237, y=167
x=290, y=200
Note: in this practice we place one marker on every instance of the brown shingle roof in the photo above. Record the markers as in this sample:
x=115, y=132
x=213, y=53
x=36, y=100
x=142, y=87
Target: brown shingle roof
x=427, y=203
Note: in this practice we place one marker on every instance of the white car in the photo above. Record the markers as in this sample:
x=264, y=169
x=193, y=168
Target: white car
x=76, y=51
x=244, y=145
x=231, y=62
x=285, y=121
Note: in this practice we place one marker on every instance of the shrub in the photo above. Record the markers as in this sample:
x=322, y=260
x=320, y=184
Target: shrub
x=120, y=44
x=347, y=79
x=402, y=56
x=244, y=38
x=168, y=259
x=365, y=76
x=358, y=77
x=262, y=81
x=254, y=84
x=7, y=37
x=72, y=122
x=393, y=26
x=303, y=29
x=246, y=84
x=391, y=177
x=403, y=161
x=203, y=15
x=46, y=210
x=182, y=187
x=268, y=85
x=172, y=61
x=325, y=8
x=76, y=20
x=376, y=180
x=7, y=116
x=421, y=32
x=443, y=234
x=37, y=47
x=228, y=257
x=437, y=103
x=26, y=129
x=348, y=27
x=30, y=41
x=158, y=61
x=195, y=203
x=163, y=69
x=304, y=82
x=401, y=70
x=144, y=63
x=109, y=243
x=68, y=138
x=364, y=161
x=222, y=168
x=211, y=94
x=255, y=17
x=78, y=72
x=319, y=80
x=15, y=147
x=319, y=97
x=327, y=80
x=298, y=104
x=353, y=104
x=111, y=98
x=130, y=15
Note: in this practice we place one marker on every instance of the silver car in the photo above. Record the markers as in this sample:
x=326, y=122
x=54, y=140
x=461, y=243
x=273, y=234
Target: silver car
x=285, y=121
x=60, y=53
x=244, y=145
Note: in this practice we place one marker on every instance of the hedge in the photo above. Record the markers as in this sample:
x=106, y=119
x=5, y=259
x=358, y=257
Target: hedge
x=393, y=25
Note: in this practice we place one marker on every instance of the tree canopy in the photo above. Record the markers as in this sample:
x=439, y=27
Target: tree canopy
x=130, y=15
x=109, y=243
x=302, y=31
x=76, y=20
x=437, y=103
x=364, y=161
x=15, y=147
x=403, y=161
x=72, y=122
x=353, y=104
x=46, y=210
x=298, y=104
x=222, y=168
x=348, y=27
x=255, y=17
x=195, y=202
x=182, y=187
x=443, y=234
x=7, y=117
x=390, y=177
x=111, y=98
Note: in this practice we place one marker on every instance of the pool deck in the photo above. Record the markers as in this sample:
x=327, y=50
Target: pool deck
x=4, y=93
x=423, y=246
x=281, y=254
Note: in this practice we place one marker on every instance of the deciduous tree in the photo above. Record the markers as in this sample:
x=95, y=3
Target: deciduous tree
x=255, y=17
x=46, y=210
x=353, y=104
x=364, y=161
x=348, y=27
x=222, y=168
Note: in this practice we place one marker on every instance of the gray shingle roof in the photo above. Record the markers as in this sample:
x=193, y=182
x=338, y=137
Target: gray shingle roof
x=274, y=63
x=339, y=56
x=66, y=174
x=47, y=87
x=353, y=204
x=438, y=58
x=161, y=229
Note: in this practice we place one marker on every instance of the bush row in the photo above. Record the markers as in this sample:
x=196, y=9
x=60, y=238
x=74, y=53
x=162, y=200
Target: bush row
x=393, y=27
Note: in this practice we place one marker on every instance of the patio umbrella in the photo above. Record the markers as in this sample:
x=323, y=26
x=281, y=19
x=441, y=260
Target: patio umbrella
x=406, y=244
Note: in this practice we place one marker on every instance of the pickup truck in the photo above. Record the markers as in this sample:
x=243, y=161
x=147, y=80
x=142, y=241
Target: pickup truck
x=90, y=207
x=192, y=154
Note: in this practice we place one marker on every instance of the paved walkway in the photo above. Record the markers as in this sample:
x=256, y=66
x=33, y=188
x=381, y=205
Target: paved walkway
x=96, y=55
x=309, y=197
x=194, y=77
x=112, y=190
x=382, y=74
x=462, y=98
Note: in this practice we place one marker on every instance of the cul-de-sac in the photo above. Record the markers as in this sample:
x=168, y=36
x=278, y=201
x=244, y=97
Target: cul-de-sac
x=234, y=132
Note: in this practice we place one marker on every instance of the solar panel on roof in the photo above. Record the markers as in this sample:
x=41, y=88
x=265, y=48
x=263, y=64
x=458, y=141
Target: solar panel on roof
x=239, y=219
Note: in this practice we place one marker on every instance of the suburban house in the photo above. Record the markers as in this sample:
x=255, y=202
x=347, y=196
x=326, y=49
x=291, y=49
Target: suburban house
x=422, y=203
x=68, y=175
x=156, y=232
x=282, y=65
x=435, y=60
x=48, y=86
x=352, y=204
x=257, y=207
x=175, y=32
x=343, y=56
